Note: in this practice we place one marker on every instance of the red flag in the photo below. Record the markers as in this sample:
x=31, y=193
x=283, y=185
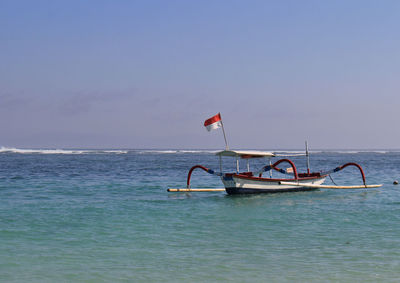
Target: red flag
x=213, y=123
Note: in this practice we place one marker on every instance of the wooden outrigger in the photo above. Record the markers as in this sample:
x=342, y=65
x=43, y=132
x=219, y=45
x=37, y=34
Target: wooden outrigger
x=334, y=186
x=195, y=190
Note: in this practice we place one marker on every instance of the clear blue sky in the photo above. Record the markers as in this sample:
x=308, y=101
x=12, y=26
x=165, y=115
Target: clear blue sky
x=146, y=74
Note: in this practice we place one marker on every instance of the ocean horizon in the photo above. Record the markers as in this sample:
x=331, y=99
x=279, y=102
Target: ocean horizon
x=83, y=150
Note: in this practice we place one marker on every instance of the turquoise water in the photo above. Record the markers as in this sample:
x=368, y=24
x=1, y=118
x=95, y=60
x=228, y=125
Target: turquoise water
x=96, y=216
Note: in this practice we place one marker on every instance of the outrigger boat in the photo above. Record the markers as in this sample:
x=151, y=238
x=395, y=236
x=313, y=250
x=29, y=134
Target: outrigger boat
x=248, y=182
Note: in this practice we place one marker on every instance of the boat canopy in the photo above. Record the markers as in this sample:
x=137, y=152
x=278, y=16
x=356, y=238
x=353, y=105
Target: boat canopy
x=246, y=153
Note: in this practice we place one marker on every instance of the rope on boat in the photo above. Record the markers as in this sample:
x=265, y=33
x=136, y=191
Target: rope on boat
x=332, y=179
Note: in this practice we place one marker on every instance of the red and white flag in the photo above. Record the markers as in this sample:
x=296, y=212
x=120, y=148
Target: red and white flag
x=213, y=123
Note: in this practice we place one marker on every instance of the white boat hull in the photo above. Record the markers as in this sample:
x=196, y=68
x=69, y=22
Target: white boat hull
x=235, y=184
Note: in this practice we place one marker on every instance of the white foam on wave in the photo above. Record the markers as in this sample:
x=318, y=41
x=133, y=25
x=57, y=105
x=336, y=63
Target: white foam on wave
x=56, y=151
x=115, y=151
x=40, y=151
x=175, y=151
x=199, y=151
x=157, y=151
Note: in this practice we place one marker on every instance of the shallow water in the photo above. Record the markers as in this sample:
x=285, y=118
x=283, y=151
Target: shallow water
x=101, y=216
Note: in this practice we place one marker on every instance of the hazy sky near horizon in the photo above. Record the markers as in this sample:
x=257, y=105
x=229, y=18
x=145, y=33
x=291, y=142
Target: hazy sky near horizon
x=146, y=74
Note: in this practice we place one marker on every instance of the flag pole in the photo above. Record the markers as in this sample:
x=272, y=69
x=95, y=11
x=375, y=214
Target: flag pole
x=223, y=130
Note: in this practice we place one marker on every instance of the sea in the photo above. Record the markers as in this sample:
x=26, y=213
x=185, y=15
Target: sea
x=106, y=216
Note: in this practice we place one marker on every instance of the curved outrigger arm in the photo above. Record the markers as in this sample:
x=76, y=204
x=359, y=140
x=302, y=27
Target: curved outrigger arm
x=209, y=171
x=267, y=168
x=339, y=168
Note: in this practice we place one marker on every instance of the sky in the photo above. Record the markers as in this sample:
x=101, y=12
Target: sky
x=147, y=74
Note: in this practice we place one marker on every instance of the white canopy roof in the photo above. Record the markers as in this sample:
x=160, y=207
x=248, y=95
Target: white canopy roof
x=246, y=153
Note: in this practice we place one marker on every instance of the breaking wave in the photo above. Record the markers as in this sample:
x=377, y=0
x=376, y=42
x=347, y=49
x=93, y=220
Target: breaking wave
x=57, y=151
x=279, y=152
x=175, y=151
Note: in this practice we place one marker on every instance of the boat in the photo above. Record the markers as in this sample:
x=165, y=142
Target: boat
x=249, y=182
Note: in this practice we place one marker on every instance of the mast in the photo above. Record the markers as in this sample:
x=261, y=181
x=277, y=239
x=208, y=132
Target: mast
x=308, y=159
